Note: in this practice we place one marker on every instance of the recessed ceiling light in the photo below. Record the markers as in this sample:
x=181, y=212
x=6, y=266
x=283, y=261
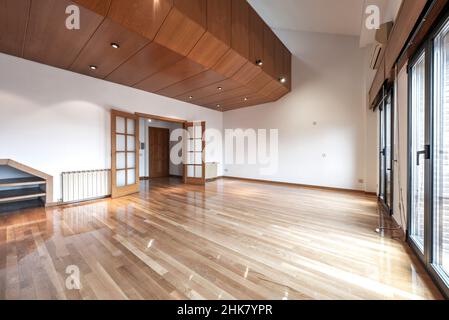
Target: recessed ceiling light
x=218, y=105
x=149, y=120
x=115, y=45
x=219, y=88
x=259, y=63
x=283, y=80
x=92, y=67
x=246, y=99
x=190, y=97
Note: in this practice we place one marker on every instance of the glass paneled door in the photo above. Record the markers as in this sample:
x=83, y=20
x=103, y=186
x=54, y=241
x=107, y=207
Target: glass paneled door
x=440, y=216
x=418, y=149
x=125, y=153
x=429, y=154
x=195, y=146
x=386, y=150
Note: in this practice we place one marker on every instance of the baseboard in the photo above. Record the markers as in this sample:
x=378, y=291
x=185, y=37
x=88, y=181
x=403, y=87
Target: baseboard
x=298, y=185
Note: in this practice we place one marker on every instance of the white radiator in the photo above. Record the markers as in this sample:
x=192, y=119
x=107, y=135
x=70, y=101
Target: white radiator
x=80, y=186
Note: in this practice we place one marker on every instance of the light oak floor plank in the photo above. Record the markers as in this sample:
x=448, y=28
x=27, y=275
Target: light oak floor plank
x=231, y=239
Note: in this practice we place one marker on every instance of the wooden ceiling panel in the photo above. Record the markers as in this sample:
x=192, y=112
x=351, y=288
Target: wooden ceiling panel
x=269, y=53
x=209, y=90
x=198, y=81
x=208, y=51
x=247, y=73
x=229, y=64
x=179, y=33
x=195, y=10
x=180, y=71
x=218, y=98
x=274, y=90
x=144, y=17
x=240, y=27
x=259, y=81
x=184, y=49
x=243, y=102
x=99, y=6
x=151, y=59
x=279, y=93
x=49, y=41
x=256, y=29
x=287, y=67
x=99, y=52
x=219, y=19
x=13, y=23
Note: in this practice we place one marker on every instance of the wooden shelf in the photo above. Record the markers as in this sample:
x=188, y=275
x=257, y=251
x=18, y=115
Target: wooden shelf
x=21, y=194
x=18, y=182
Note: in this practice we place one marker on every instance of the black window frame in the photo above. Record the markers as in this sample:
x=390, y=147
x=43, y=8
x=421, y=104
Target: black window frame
x=426, y=258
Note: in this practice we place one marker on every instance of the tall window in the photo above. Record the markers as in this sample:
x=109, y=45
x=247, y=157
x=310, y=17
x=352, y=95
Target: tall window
x=429, y=154
x=441, y=152
x=418, y=116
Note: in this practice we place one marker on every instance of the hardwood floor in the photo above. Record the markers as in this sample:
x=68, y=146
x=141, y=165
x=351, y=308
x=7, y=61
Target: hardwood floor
x=229, y=240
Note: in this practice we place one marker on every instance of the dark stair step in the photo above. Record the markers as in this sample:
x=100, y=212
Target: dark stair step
x=20, y=194
x=19, y=182
x=15, y=207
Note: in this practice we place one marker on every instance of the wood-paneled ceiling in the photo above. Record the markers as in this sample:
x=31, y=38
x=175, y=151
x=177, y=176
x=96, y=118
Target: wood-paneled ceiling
x=204, y=52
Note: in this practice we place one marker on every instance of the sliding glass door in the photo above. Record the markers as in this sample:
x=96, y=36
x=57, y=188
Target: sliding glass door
x=386, y=150
x=429, y=155
x=417, y=150
x=441, y=153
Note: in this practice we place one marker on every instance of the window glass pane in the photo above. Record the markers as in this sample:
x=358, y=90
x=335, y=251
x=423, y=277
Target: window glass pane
x=190, y=158
x=191, y=171
x=131, y=159
x=190, y=132
x=131, y=176
x=417, y=145
x=121, y=178
x=131, y=144
x=198, y=156
x=382, y=153
x=198, y=171
x=121, y=160
x=198, y=132
x=120, y=125
x=198, y=145
x=120, y=142
x=190, y=145
x=130, y=126
x=441, y=151
x=388, y=143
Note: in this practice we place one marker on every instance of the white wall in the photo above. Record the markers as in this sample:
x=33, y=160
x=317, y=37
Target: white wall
x=328, y=88
x=174, y=169
x=55, y=121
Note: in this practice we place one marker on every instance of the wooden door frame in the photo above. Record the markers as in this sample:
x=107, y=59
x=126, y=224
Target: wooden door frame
x=149, y=150
x=160, y=118
x=117, y=192
x=199, y=181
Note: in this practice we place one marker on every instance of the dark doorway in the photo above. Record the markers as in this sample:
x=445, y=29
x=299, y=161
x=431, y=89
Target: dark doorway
x=158, y=148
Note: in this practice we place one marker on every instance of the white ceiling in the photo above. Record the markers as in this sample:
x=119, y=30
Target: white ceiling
x=342, y=17
x=326, y=16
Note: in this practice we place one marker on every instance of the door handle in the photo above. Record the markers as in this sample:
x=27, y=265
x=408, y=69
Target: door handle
x=425, y=153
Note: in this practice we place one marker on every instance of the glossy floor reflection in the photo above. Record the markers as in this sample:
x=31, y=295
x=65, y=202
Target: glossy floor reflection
x=229, y=240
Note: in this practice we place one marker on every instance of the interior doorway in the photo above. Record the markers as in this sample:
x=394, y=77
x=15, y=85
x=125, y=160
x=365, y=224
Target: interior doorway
x=158, y=152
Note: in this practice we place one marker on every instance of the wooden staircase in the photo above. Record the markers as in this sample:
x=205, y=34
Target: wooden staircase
x=24, y=192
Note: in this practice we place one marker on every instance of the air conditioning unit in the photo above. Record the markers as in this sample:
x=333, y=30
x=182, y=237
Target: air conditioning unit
x=382, y=35
x=376, y=56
